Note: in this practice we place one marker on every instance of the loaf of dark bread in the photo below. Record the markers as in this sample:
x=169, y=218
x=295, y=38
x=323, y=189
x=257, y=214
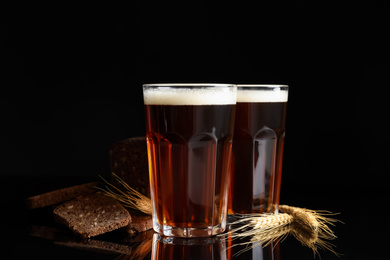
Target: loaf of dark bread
x=129, y=161
x=91, y=215
x=61, y=195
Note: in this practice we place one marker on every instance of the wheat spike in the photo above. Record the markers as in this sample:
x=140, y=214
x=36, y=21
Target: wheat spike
x=304, y=216
x=257, y=222
x=263, y=228
x=131, y=198
x=315, y=220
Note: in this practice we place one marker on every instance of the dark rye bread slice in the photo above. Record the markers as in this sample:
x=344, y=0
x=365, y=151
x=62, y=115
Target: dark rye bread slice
x=129, y=161
x=140, y=222
x=61, y=195
x=91, y=215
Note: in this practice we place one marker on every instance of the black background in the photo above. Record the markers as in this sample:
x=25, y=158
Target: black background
x=72, y=75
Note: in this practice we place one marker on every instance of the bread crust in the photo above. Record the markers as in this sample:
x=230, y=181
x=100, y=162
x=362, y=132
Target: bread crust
x=61, y=195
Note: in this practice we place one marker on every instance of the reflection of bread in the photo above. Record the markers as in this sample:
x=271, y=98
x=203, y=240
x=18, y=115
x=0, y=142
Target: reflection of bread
x=92, y=215
x=97, y=246
x=64, y=239
x=125, y=245
x=129, y=161
x=60, y=195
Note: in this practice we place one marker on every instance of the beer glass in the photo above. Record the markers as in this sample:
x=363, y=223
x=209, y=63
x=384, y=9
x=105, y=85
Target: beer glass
x=258, y=142
x=189, y=133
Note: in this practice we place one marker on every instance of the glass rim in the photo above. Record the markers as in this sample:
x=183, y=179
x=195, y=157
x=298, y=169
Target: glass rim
x=188, y=85
x=263, y=86
x=190, y=94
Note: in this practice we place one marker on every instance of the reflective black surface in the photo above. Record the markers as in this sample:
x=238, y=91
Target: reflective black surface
x=364, y=233
x=71, y=87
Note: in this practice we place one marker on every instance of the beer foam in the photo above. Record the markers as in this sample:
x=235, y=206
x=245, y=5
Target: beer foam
x=190, y=96
x=262, y=96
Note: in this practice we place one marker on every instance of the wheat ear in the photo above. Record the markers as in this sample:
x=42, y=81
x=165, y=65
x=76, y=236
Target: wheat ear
x=315, y=220
x=131, y=198
x=254, y=223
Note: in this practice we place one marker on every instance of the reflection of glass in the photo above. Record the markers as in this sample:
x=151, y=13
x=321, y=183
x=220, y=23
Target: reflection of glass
x=258, y=148
x=244, y=249
x=188, y=248
x=189, y=132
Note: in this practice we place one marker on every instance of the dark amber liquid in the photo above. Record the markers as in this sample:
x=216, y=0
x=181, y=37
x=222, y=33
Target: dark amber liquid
x=258, y=142
x=189, y=154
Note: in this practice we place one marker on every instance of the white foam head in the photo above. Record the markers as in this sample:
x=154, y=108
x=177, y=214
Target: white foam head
x=190, y=94
x=262, y=93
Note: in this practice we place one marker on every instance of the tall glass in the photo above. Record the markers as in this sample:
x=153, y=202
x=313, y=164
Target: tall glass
x=258, y=143
x=189, y=133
